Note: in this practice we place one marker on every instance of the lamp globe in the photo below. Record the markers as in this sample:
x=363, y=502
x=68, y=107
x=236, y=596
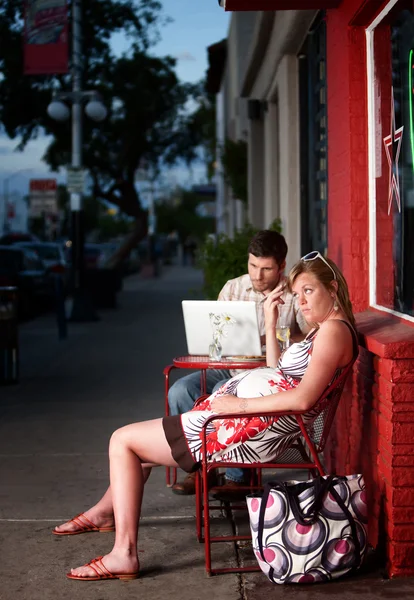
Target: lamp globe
x=58, y=111
x=96, y=110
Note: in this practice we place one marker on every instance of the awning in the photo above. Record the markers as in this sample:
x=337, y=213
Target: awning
x=256, y=5
x=217, y=54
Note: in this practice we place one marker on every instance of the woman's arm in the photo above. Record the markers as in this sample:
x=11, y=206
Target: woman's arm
x=332, y=349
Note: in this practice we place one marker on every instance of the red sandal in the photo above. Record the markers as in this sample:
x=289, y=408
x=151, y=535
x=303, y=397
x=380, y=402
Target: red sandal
x=101, y=573
x=85, y=526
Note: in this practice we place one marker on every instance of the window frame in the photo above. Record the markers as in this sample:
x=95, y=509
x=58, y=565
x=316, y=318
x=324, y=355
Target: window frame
x=372, y=227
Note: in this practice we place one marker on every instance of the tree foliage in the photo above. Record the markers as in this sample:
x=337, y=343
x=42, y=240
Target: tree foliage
x=234, y=160
x=224, y=257
x=181, y=215
x=147, y=118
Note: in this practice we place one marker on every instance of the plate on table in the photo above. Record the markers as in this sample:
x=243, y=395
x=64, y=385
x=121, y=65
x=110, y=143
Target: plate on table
x=244, y=358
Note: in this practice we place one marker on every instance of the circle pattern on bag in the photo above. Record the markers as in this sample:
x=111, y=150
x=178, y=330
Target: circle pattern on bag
x=311, y=576
x=330, y=508
x=359, y=505
x=303, y=539
x=277, y=559
x=276, y=511
x=338, y=554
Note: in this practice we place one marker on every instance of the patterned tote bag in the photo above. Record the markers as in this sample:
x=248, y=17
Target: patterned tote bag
x=309, y=531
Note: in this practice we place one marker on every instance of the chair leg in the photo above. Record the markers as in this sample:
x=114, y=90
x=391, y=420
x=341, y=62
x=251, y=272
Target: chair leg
x=199, y=506
x=206, y=515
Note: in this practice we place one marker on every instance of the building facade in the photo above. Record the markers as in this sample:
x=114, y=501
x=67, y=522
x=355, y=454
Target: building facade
x=329, y=94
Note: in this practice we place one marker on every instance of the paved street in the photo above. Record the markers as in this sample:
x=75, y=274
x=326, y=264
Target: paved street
x=54, y=433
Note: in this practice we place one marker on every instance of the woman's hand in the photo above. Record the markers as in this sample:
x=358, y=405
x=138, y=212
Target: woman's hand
x=228, y=404
x=272, y=303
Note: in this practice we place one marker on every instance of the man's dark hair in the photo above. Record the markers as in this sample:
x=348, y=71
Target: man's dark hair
x=267, y=244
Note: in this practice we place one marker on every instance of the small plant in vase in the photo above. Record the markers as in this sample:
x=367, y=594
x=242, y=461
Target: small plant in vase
x=219, y=324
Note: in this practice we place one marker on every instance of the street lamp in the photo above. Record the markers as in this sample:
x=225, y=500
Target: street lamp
x=82, y=309
x=6, y=182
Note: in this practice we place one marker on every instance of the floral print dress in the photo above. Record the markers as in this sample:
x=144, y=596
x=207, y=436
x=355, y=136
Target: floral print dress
x=251, y=439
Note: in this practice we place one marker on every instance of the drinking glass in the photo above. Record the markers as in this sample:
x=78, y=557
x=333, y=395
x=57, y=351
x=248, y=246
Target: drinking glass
x=283, y=335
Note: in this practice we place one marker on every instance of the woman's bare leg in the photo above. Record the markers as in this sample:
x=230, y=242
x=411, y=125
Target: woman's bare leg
x=131, y=447
x=100, y=514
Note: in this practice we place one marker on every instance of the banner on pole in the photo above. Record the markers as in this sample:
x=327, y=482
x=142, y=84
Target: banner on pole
x=46, y=48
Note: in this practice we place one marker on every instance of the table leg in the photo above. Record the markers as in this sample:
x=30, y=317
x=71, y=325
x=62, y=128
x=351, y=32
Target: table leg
x=203, y=381
x=170, y=472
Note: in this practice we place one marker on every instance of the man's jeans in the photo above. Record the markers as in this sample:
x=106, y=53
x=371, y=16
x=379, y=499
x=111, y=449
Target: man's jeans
x=185, y=391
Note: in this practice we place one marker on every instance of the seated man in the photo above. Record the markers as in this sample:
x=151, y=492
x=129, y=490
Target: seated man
x=266, y=261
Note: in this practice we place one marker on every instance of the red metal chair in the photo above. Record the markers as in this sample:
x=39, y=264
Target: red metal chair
x=303, y=453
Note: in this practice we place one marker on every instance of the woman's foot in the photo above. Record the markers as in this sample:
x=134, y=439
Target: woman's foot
x=115, y=565
x=86, y=522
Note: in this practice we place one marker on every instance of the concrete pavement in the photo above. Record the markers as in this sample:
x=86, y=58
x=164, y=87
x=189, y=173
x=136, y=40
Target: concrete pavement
x=54, y=433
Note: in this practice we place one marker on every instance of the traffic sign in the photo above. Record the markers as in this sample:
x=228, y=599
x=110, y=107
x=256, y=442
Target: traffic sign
x=43, y=197
x=75, y=180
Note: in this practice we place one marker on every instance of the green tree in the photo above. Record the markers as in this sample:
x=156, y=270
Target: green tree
x=147, y=120
x=224, y=257
x=182, y=215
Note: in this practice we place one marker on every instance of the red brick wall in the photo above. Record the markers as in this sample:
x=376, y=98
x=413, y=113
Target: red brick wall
x=373, y=434
x=347, y=150
x=374, y=429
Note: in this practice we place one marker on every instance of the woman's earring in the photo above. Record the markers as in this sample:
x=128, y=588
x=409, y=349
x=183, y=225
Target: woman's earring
x=335, y=306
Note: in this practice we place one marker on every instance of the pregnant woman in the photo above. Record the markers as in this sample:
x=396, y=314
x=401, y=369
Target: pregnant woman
x=291, y=381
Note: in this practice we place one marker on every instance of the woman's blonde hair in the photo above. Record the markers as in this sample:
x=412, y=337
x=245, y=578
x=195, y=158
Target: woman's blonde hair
x=319, y=269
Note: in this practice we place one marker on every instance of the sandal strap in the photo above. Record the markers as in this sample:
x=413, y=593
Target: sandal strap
x=84, y=523
x=100, y=569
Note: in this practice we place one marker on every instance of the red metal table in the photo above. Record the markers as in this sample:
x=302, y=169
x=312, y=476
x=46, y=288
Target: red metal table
x=202, y=363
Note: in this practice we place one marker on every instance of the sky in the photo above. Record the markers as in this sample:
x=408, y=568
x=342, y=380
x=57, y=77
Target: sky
x=196, y=24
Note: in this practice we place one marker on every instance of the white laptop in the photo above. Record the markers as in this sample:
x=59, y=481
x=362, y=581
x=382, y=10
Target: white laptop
x=241, y=338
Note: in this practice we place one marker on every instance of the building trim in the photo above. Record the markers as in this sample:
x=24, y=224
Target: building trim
x=258, y=47
x=287, y=35
x=271, y=5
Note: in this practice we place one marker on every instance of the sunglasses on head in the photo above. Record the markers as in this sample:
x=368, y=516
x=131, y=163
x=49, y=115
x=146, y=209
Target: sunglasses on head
x=315, y=254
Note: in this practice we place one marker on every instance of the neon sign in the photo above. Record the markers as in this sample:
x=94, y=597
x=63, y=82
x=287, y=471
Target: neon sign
x=410, y=101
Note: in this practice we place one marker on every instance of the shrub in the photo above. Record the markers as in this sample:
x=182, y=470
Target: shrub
x=225, y=258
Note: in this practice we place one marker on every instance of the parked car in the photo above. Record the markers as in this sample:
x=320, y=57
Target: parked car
x=22, y=268
x=15, y=237
x=102, y=282
x=53, y=258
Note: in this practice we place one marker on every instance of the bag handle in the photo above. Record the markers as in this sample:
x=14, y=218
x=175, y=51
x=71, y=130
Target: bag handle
x=352, y=524
x=321, y=486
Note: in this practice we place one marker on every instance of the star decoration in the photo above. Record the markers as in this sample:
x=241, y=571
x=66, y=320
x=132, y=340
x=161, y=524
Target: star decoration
x=393, y=156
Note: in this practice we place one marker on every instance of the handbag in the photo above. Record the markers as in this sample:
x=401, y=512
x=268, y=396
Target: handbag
x=310, y=531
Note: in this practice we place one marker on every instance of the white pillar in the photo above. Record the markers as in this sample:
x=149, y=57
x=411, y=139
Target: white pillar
x=271, y=158
x=255, y=210
x=289, y=154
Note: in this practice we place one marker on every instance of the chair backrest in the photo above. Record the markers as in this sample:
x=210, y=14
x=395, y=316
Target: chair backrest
x=326, y=408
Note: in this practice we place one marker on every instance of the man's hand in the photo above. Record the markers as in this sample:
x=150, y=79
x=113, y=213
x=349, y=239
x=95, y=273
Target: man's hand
x=271, y=305
x=228, y=404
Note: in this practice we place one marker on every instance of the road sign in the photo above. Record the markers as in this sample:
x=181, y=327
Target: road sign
x=43, y=197
x=75, y=180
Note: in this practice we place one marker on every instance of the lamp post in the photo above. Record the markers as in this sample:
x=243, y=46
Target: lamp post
x=82, y=309
x=6, y=182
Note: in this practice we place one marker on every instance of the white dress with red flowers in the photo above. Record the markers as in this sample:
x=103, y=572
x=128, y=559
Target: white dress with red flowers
x=251, y=439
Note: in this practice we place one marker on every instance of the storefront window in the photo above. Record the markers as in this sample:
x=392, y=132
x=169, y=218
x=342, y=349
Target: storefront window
x=313, y=141
x=393, y=54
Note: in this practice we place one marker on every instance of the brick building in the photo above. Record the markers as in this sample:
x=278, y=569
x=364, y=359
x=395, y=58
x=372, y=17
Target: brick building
x=324, y=98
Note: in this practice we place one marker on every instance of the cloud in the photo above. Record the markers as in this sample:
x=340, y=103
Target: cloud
x=185, y=56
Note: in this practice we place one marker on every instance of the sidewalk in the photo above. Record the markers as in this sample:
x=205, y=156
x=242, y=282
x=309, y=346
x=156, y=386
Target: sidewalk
x=54, y=431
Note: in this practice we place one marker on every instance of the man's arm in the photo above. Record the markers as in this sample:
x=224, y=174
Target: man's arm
x=226, y=292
